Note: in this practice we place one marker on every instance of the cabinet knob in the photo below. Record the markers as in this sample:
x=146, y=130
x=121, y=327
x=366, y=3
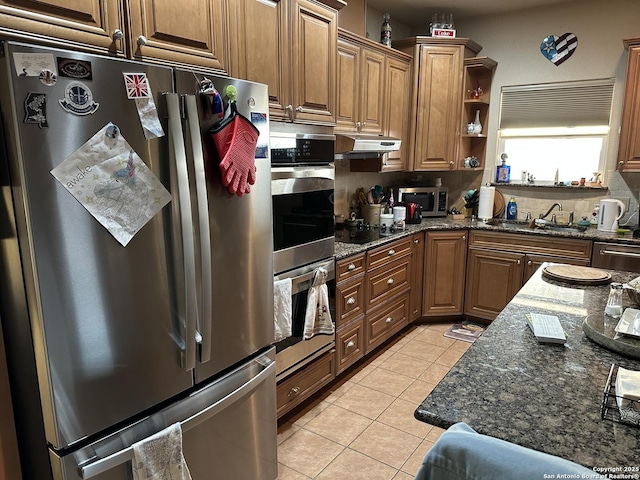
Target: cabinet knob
x=289, y=108
x=529, y=262
x=390, y=281
x=464, y=237
x=351, y=344
x=388, y=320
x=621, y=163
x=358, y=125
x=364, y=124
x=299, y=108
x=351, y=301
x=451, y=164
x=392, y=251
x=519, y=262
x=351, y=267
x=117, y=35
x=416, y=241
x=142, y=40
x=293, y=392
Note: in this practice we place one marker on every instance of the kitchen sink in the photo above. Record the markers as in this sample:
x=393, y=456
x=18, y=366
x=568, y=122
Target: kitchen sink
x=565, y=228
x=520, y=224
x=508, y=224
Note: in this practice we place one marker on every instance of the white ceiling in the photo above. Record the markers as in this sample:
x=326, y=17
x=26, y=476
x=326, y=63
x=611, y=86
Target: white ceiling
x=417, y=13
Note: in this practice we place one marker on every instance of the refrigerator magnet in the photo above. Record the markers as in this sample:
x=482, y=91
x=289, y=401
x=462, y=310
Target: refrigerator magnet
x=73, y=68
x=31, y=64
x=138, y=89
x=78, y=99
x=35, y=109
x=48, y=77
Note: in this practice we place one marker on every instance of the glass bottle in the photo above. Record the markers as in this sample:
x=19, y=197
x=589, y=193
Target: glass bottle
x=433, y=24
x=614, y=302
x=385, y=30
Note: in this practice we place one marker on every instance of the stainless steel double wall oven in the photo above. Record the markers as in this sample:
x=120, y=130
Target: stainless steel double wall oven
x=302, y=188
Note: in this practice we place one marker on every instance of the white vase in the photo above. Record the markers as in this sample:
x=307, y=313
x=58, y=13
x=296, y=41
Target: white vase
x=477, y=126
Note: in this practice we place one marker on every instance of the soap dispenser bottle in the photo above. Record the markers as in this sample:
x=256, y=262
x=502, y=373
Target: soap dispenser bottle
x=512, y=209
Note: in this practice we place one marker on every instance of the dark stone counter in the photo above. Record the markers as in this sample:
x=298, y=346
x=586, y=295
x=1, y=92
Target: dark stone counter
x=545, y=397
x=343, y=250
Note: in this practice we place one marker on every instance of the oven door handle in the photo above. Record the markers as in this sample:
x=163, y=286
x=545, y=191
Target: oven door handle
x=302, y=282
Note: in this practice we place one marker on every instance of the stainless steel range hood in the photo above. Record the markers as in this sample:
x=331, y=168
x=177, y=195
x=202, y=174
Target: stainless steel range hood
x=364, y=146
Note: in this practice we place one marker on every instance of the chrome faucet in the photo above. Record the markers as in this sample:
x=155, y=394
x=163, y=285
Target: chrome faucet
x=549, y=211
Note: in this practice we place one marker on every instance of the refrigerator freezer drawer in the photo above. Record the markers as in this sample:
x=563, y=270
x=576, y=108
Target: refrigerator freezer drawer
x=228, y=431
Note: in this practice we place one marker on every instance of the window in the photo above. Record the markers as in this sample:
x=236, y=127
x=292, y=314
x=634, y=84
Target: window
x=560, y=127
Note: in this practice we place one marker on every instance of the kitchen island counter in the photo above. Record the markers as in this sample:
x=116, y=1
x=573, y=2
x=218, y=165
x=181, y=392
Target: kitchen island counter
x=542, y=396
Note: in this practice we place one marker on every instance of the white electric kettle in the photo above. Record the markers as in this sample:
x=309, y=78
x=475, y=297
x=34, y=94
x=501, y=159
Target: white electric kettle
x=611, y=210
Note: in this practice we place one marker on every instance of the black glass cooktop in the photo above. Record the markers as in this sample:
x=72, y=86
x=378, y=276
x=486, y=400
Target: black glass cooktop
x=362, y=234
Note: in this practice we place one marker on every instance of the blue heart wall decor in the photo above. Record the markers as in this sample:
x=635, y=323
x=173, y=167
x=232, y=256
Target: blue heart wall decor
x=558, y=49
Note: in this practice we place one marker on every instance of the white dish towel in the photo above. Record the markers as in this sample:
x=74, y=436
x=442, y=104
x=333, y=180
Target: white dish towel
x=159, y=457
x=282, y=308
x=318, y=315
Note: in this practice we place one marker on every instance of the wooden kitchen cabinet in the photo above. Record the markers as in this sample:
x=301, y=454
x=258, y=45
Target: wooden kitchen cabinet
x=629, y=149
x=187, y=33
x=478, y=72
x=87, y=24
x=350, y=308
x=445, y=261
x=498, y=264
x=417, y=258
x=296, y=388
x=436, y=99
x=360, y=93
x=387, y=290
x=397, y=109
x=290, y=45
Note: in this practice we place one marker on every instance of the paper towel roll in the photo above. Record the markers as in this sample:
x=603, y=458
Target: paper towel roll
x=485, y=207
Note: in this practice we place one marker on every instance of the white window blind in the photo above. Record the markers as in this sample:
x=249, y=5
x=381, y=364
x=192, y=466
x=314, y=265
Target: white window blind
x=566, y=104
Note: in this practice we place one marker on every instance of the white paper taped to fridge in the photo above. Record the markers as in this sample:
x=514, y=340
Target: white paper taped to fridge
x=113, y=183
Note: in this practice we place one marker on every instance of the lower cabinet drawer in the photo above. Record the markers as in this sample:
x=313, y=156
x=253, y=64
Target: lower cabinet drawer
x=382, y=323
x=298, y=387
x=387, y=281
x=349, y=345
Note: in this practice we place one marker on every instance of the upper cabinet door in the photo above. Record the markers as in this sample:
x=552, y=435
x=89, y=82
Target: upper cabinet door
x=314, y=37
x=258, y=54
x=188, y=32
x=629, y=151
x=397, y=111
x=372, y=84
x=438, y=109
x=348, y=91
x=96, y=24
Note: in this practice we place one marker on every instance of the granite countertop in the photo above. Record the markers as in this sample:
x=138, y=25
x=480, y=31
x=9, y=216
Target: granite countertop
x=343, y=250
x=541, y=396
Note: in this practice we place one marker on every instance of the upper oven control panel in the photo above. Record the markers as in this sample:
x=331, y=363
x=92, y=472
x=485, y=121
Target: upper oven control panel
x=302, y=149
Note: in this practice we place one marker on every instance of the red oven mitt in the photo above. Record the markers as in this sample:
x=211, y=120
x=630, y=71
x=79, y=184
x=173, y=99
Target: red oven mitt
x=236, y=138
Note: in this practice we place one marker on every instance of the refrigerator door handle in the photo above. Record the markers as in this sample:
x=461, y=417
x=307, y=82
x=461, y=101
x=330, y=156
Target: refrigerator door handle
x=188, y=311
x=205, y=309
x=98, y=467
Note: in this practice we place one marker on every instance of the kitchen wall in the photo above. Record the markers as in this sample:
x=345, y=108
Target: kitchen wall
x=513, y=41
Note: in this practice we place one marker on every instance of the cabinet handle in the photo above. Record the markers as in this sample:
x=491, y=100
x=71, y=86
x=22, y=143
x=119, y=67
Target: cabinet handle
x=117, y=35
x=351, y=344
x=299, y=108
x=142, y=40
x=390, y=281
x=351, y=267
x=293, y=392
x=392, y=251
x=351, y=301
x=388, y=320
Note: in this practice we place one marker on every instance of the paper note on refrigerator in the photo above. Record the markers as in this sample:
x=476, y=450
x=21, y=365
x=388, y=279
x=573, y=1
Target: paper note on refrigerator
x=113, y=183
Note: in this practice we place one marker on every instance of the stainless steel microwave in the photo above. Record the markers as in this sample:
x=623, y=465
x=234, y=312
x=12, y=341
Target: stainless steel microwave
x=433, y=200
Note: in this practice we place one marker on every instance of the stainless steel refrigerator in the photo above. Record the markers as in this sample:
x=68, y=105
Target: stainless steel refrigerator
x=108, y=344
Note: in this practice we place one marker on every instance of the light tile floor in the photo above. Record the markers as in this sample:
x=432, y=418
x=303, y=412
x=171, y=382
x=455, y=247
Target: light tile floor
x=362, y=426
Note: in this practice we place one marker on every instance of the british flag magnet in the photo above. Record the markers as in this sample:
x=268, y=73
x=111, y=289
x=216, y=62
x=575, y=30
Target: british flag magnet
x=137, y=85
